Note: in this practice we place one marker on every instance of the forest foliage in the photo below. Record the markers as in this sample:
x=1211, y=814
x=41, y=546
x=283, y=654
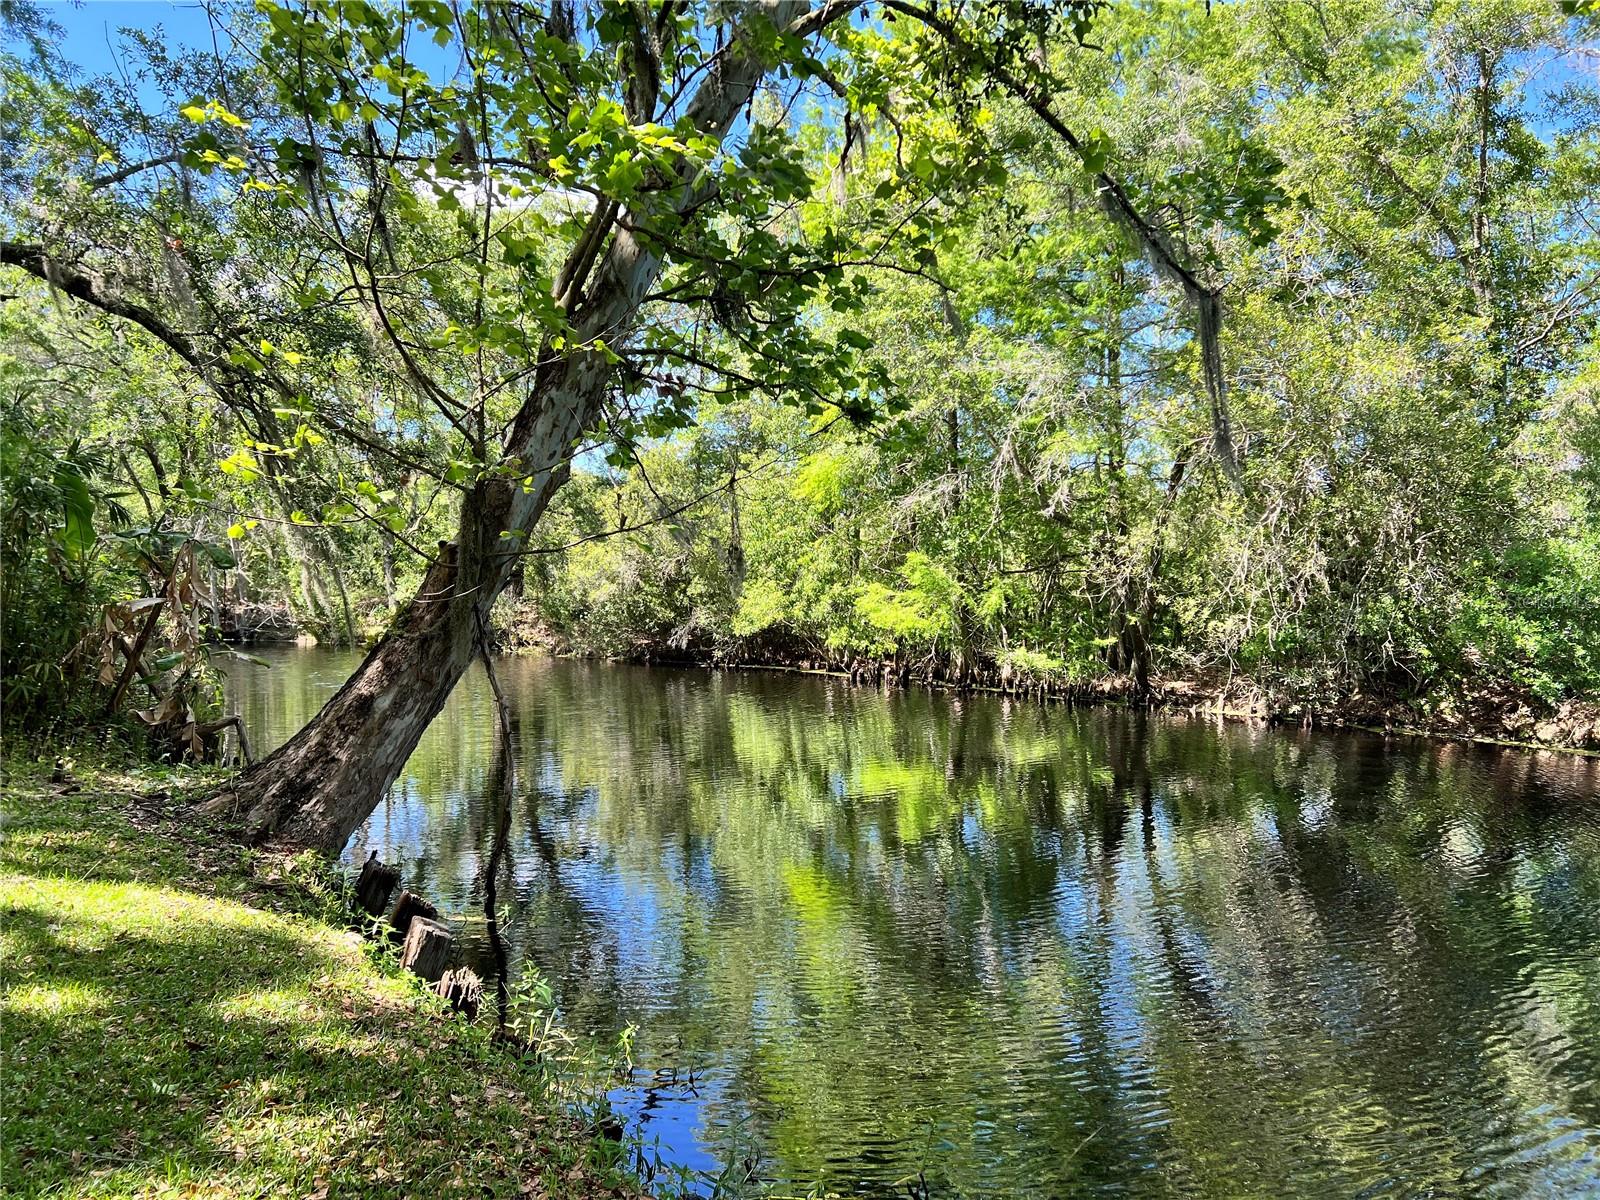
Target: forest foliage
x=1104, y=345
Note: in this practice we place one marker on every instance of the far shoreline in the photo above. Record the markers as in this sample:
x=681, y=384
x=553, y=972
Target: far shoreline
x=1572, y=728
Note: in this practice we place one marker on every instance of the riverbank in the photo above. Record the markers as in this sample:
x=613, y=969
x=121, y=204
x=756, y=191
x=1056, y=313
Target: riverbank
x=1493, y=713
x=185, y=1017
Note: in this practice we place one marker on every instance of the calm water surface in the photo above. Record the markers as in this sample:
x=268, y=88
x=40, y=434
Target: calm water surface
x=1026, y=950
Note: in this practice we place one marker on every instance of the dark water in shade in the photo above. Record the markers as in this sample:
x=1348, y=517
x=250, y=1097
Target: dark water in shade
x=1027, y=950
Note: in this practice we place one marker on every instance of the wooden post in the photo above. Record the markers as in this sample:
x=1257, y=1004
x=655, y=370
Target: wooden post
x=374, y=885
x=427, y=949
x=463, y=989
x=409, y=905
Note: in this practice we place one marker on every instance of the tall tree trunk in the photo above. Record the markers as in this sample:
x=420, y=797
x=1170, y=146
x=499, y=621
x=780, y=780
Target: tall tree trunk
x=388, y=574
x=320, y=785
x=1136, y=635
x=736, y=560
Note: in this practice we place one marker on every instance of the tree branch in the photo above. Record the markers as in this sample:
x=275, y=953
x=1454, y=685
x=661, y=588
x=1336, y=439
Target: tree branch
x=1116, y=203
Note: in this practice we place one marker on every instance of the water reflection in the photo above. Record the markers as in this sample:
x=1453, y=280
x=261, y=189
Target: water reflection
x=1023, y=949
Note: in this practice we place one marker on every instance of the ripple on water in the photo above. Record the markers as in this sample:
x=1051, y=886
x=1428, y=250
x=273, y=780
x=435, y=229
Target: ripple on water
x=1026, y=950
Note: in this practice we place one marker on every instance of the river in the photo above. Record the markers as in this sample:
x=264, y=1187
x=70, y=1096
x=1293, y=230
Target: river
x=894, y=941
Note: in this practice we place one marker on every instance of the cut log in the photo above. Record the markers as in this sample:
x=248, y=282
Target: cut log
x=409, y=906
x=374, y=885
x=462, y=989
x=427, y=949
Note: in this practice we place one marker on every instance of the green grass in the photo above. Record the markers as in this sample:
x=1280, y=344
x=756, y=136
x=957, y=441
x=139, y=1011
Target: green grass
x=186, y=1018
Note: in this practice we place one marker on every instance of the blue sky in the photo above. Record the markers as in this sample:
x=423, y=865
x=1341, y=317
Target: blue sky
x=91, y=40
x=91, y=27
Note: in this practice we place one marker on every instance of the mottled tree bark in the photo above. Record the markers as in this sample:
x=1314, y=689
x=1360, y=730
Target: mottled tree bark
x=320, y=785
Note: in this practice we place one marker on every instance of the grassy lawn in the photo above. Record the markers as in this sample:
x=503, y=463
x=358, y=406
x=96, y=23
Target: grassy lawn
x=178, y=1019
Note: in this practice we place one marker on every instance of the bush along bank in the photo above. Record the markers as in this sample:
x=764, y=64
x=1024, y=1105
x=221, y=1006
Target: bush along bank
x=1492, y=711
x=183, y=1016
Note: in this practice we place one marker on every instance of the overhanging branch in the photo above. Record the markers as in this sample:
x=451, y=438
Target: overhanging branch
x=1116, y=203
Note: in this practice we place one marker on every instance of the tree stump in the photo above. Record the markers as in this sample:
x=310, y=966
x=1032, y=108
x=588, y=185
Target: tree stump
x=374, y=884
x=462, y=989
x=427, y=949
x=409, y=905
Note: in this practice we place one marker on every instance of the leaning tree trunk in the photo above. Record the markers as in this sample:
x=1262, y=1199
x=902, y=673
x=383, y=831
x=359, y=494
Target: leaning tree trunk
x=320, y=785
x=315, y=789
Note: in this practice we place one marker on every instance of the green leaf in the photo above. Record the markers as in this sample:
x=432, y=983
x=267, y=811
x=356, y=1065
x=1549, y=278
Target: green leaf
x=221, y=557
x=77, y=502
x=1095, y=150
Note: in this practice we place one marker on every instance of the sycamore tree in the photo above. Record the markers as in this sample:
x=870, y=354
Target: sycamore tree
x=539, y=231
x=608, y=190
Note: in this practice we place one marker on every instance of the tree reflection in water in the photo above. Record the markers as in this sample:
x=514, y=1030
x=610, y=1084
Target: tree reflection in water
x=1024, y=948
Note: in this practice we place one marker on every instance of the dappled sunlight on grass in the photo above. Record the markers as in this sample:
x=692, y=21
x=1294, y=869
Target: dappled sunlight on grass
x=69, y=1000
x=277, y=1006
x=68, y=843
x=162, y=1039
